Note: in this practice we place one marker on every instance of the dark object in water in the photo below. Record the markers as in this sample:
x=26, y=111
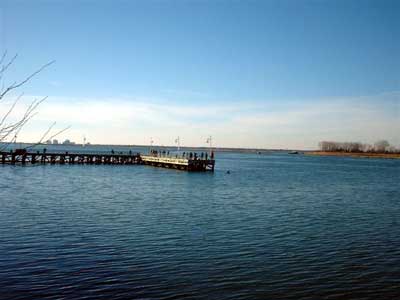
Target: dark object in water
x=228, y=172
x=294, y=152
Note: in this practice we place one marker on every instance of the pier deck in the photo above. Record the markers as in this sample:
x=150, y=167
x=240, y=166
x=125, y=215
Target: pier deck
x=179, y=163
x=24, y=157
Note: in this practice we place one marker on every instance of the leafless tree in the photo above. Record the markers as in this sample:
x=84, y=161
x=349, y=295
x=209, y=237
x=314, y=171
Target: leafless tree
x=379, y=147
x=9, y=130
x=330, y=146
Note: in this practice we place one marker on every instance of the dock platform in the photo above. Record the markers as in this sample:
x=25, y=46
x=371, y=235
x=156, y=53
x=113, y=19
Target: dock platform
x=186, y=164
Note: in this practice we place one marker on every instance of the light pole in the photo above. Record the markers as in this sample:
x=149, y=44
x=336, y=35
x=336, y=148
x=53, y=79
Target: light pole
x=209, y=141
x=178, y=141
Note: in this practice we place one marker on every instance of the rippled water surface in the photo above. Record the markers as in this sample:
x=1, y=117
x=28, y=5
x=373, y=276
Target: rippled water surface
x=277, y=227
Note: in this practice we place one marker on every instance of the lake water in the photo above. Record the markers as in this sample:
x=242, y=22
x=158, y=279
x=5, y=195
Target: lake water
x=277, y=227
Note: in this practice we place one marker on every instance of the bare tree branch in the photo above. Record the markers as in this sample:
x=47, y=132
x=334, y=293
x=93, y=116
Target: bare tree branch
x=9, y=111
x=21, y=83
x=6, y=130
x=3, y=57
x=7, y=65
x=59, y=132
x=4, y=67
x=9, y=132
x=49, y=138
x=16, y=130
x=43, y=136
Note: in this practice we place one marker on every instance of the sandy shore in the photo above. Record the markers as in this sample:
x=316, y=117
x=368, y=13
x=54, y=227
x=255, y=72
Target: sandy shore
x=358, y=154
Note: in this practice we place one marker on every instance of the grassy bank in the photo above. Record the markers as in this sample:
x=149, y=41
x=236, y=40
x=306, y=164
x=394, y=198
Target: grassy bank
x=354, y=154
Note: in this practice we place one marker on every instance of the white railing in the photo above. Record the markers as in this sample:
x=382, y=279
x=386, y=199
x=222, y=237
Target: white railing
x=168, y=160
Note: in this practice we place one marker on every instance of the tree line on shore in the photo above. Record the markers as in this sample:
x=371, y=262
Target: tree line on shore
x=381, y=146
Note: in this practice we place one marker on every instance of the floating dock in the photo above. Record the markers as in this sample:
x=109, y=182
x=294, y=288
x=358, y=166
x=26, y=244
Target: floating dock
x=20, y=156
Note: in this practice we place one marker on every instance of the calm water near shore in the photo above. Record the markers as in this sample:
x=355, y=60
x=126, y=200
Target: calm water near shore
x=277, y=227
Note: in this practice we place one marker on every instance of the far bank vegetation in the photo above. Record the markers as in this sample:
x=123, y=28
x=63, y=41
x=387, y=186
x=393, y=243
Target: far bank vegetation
x=381, y=146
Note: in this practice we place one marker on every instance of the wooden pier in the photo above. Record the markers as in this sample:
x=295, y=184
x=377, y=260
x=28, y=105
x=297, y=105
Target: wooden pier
x=23, y=157
x=186, y=164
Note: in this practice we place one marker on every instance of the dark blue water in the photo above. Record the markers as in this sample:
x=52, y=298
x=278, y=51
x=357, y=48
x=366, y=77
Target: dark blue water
x=277, y=227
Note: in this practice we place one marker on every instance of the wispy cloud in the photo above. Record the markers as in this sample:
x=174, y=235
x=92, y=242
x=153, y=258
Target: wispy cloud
x=289, y=124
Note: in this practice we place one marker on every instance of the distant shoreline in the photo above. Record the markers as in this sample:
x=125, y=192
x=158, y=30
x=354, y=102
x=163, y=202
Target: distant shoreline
x=182, y=148
x=354, y=154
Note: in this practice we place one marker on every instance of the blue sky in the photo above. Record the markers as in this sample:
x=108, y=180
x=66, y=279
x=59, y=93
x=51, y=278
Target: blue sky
x=282, y=74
